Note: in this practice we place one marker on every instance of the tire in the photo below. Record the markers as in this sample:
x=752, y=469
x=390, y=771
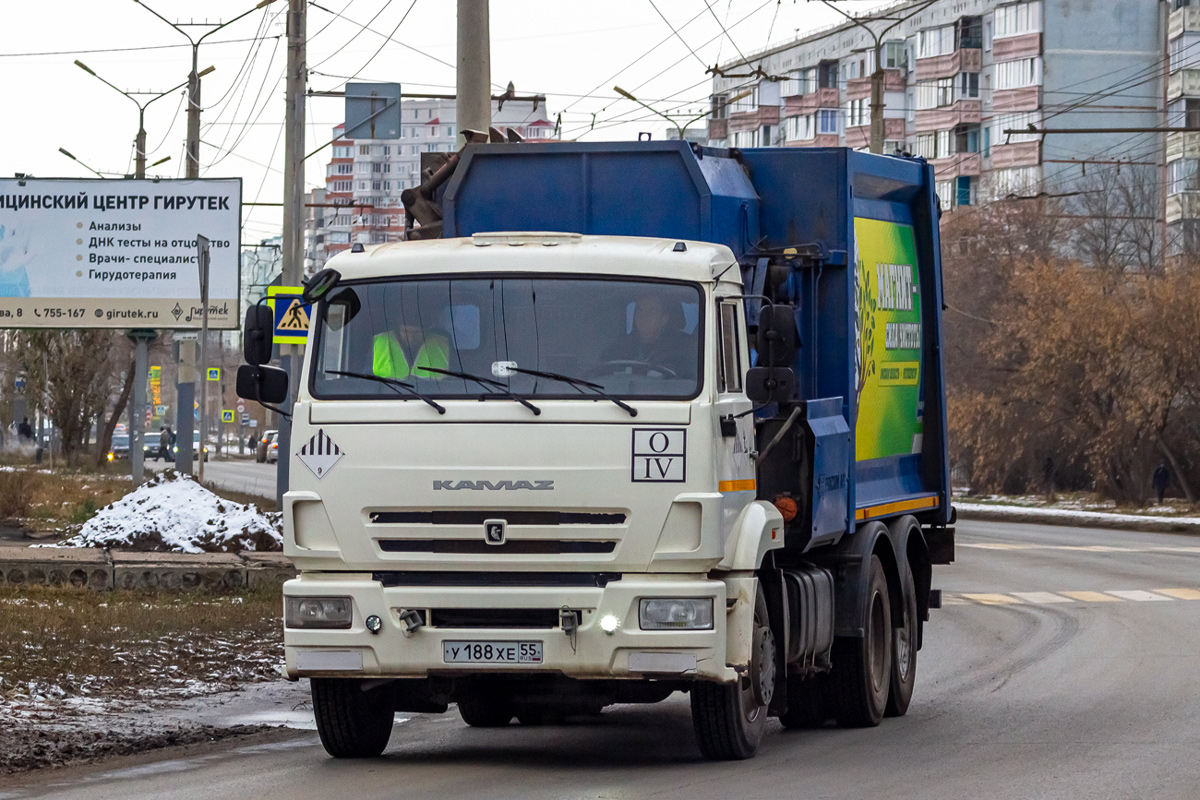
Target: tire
x=807, y=706
x=351, y=723
x=862, y=666
x=480, y=710
x=729, y=719
x=904, y=657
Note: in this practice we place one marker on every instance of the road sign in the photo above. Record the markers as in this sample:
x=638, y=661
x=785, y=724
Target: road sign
x=227, y=415
x=160, y=411
x=19, y=382
x=245, y=418
x=241, y=407
x=253, y=423
x=292, y=317
x=156, y=373
x=214, y=373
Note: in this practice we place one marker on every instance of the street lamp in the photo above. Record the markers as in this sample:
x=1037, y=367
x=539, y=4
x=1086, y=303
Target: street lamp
x=140, y=169
x=682, y=129
x=66, y=153
x=193, y=82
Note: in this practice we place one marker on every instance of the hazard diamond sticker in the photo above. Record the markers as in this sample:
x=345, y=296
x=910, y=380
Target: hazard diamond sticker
x=320, y=454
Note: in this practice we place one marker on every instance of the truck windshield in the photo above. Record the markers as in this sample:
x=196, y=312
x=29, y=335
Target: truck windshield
x=627, y=338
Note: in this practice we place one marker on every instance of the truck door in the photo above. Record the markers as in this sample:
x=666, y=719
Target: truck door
x=736, y=439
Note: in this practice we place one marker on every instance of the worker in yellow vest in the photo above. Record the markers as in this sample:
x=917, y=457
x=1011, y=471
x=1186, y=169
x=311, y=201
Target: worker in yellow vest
x=403, y=353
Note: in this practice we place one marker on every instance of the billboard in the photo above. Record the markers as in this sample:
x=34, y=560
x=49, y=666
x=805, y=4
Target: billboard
x=117, y=253
x=888, y=332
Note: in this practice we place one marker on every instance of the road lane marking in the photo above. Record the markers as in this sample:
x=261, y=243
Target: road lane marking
x=1042, y=597
x=992, y=599
x=1181, y=594
x=1138, y=595
x=1093, y=597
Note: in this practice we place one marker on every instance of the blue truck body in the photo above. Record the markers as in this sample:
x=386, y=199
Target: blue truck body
x=817, y=228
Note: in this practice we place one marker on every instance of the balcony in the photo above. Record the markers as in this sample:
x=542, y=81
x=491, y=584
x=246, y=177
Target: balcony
x=860, y=135
x=963, y=112
x=1183, y=20
x=753, y=120
x=808, y=103
x=860, y=88
x=1027, y=98
x=1183, y=145
x=1183, y=83
x=1017, y=154
x=967, y=59
x=955, y=165
x=820, y=140
x=718, y=129
x=1183, y=205
x=1010, y=48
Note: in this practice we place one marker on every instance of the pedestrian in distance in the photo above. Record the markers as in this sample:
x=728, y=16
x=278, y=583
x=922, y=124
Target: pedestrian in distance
x=1162, y=479
x=164, y=442
x=25, y=430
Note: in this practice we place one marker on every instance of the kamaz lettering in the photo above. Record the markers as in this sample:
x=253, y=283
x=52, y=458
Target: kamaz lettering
x=536, y=486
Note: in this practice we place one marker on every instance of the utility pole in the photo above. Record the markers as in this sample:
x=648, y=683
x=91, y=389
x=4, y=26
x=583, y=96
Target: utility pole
x=293, y=215
x=878, y=74
x=473, y=107
x=185, y=365
x=202, y=254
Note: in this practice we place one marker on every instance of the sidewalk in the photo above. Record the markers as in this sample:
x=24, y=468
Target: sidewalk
x=1082, y=519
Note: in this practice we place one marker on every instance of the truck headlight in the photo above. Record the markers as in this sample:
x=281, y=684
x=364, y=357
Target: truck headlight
x=675, y=613
x=317, y=612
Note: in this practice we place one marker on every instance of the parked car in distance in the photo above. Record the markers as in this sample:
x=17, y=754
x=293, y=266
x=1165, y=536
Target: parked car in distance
x=273, y=448
x=195, y=446
x=260, y=452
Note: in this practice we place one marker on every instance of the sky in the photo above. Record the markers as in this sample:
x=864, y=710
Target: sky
x=573, y=51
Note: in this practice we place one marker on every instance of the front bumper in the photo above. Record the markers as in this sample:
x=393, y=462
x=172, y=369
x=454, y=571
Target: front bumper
x=591, y=653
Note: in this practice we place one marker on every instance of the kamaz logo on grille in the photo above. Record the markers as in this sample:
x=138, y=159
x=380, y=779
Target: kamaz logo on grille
x=536, y=486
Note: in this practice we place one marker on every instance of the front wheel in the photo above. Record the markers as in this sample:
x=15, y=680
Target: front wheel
x=351, y=723
x=729, y=718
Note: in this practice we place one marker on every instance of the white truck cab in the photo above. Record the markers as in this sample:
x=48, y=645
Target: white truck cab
x=523, y=480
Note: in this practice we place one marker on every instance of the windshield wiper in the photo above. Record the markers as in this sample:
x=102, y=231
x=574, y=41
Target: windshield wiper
x=489, y=383
x=579, y=383
x=391, y=383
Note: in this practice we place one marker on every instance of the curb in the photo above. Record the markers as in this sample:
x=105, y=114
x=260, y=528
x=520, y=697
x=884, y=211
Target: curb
x=102, y=570
x=1081, y=519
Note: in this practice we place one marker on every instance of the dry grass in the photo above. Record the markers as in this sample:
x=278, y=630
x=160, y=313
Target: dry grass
x=15, y=489
x=68, y=642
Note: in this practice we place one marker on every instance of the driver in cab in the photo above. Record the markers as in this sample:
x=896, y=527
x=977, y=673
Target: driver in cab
x=657, y=344
x=407, y=351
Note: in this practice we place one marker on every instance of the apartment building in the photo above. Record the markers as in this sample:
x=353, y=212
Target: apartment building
x=364, y=177
x=1183, y=110
x=960, y=75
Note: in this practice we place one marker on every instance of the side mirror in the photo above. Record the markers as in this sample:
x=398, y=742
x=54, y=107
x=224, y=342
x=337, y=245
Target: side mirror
x=319, y=285
x=767, y=385
x=776, y=343
x=262, y=384
x=258, y=334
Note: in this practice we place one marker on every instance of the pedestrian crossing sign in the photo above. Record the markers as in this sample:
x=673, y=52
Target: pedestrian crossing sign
x=292, y=316
x=227, y=415
x=214, y=373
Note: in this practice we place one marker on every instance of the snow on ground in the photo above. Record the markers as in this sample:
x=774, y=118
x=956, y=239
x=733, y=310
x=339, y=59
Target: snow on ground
x=1059, y=514
x=173, y=513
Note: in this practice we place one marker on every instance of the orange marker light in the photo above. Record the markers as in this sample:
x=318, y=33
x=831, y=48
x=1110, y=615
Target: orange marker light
x=787, y=507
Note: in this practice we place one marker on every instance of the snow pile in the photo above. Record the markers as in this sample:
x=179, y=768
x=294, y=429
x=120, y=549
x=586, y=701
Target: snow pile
x=173, y=513
x=1073, y=515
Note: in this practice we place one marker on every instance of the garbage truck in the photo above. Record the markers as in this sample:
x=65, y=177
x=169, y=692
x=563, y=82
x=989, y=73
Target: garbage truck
x=621, y=420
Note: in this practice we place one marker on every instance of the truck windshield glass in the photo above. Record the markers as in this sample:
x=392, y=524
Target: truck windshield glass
x=630, y=339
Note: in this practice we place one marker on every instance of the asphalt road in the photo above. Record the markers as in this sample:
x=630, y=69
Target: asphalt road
x=1023, y=691
x=239, y=475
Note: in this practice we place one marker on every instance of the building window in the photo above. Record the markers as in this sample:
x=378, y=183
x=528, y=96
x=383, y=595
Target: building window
x=1018, y=18
x=364, y=149
x=893, y=55
x=747, y=103
x=1014, y=122
x=377, y=168
x=827, y=75
x=764, y=136
x=935, y=41
x=342, y=186
x=827, y=121
x=970, y=32
x=858, y=112
x=1184, y=175
x=932, y=145
x=968, y=85
x=1017, y=74
x=934, y=94
x=965, y=194
x=945, y=194
x=344, y=169
x=450, y=130
x=800, y=129
x=1185, y=51
x=966, y=139
x=1184, y=113
x=343, y=151
x=791, y=87
x=720, y=106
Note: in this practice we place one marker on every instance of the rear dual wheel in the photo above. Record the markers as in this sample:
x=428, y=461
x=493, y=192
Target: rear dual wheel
x=861, y=678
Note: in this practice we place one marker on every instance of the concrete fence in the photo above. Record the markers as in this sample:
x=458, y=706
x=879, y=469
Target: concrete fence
x=102, y=569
